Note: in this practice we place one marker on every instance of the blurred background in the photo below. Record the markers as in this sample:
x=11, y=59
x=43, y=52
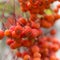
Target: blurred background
x=7, y=9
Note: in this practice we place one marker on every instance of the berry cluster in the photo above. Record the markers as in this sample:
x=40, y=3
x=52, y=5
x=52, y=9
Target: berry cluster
x=27, y=33
x=35, y=6
x=36, y=9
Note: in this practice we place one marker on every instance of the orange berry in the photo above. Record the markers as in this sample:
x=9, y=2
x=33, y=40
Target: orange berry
x=55, y=41
x=36, y=59
x=26, y=57
x=46, y=58
x=35, y=49
x=8, y=33
x=55, y=47
x=36, y=55
x=53, y=57
x=45, y=45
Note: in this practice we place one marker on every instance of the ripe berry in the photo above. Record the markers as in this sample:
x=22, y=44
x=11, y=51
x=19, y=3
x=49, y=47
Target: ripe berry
x=24, y=53
x=53, y=32
x=8, y=33
x=1, y=34
x=35, y=25
x=26, y=31
x=49, y=18
x=55, y=47
x=36, y=59
x=58, y=6
x=26, y=57
x=53, y=57
x=36, y=33
x=45, y=24
x=22, y=21
x=15, y=36
x=35, y=49
x=26, y=43
x=9, y=41
x=18, y=54
x=55, y=10
x=12, y=28
x=36, y=55
x=18, y=29
x=15, y=45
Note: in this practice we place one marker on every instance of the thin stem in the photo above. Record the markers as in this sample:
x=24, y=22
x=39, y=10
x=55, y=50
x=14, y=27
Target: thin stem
x=14, y=15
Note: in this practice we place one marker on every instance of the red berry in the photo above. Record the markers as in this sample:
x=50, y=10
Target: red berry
x=12, y=28
x=36, y=32
x=22, y=21
x=15, y=36
x=1, y=34
x=18, y=54
x=18, y=29
x=26, y=43
x=53, y=32
x=15, y=45
x=9, y=41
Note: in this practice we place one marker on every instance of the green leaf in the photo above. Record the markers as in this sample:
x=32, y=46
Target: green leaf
x=48, y=11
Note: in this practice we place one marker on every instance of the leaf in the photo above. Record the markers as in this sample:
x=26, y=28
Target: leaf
x=48, y=11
